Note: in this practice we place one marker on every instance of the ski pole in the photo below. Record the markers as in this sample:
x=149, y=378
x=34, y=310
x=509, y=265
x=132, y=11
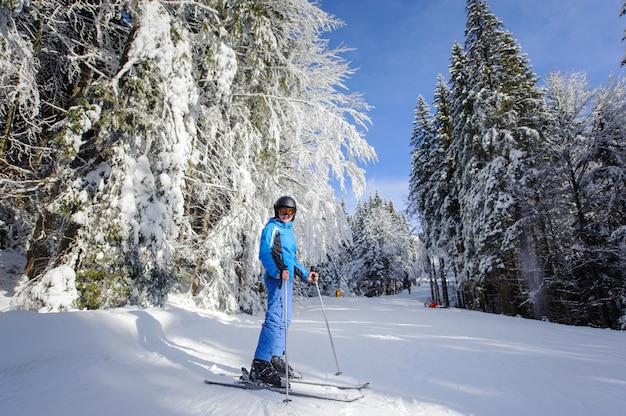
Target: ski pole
x=286, y=332
x=332, y=344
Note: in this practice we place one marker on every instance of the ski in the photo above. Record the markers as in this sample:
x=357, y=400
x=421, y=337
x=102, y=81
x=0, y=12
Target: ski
x=249, y=385
x=337, y=386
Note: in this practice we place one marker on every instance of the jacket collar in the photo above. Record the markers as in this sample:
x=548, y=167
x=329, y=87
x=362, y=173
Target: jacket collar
x=282, y=224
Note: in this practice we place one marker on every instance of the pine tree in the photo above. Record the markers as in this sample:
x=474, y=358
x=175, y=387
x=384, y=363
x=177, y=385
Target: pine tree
x=423, y=144
x=430, y=198
x=530, y=191
x=384, y=249
x=604, y=192
x=488, y=130
x=585, y=144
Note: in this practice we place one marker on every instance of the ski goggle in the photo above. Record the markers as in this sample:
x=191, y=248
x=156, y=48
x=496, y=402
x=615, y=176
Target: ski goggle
x=286, y=211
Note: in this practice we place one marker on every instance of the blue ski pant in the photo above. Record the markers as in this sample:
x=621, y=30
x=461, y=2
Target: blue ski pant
x=272, y=337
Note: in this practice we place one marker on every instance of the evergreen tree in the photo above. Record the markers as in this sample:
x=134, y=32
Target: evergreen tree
x=384, y=249
x=530, y=191
x=430, y=199
x=495, y=147
x=489, y=130
x=423, y=144
x=443, y=201
x=586, y=200
x=604, y=191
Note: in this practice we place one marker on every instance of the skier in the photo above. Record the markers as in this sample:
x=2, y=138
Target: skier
x=277, y=252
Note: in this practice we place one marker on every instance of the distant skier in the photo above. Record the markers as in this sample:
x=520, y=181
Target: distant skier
x=277, y=252
x=407, y=284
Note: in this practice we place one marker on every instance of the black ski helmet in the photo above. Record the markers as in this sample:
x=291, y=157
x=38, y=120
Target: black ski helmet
x=285, y=201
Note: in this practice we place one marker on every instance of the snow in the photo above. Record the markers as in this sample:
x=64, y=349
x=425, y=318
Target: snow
x=58, y=287
x=420, y=361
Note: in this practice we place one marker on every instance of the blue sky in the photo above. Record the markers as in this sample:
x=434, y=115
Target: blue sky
x=400, y=46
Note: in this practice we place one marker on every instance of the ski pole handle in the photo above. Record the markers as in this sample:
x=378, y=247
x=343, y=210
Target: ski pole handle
x=280, y=276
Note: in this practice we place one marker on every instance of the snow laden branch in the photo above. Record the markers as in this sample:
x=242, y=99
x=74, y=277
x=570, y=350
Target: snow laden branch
x=182, y=123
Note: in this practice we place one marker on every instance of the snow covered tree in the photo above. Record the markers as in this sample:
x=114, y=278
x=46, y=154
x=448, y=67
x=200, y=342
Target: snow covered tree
x=430, y=198
x=336, y=271
x=603, y=262
x=384, y=249
x=489, y=139
x=422, y=166
x=285, y=105
x=182, y=123
x=583, y=205
x=54, y=51
x=496, y=152
x=531, y=189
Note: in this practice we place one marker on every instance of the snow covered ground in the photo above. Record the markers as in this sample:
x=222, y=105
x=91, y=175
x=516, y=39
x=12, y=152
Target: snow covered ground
x=419, y=361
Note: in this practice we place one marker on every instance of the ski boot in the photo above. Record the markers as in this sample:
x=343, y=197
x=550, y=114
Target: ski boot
x=264, y=372
x=279, y=366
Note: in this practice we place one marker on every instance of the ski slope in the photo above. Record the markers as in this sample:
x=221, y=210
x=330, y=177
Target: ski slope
x=419, y=361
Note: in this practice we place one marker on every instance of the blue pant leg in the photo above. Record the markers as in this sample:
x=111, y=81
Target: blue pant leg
x=272, y=336
x=279, y=341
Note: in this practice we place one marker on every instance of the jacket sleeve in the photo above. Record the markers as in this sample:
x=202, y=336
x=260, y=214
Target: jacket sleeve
x=300, y=271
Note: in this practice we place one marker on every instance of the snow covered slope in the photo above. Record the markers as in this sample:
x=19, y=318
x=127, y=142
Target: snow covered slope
x=420, y=361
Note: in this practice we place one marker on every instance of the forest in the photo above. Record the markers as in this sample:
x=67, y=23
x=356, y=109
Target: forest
x=144, y=142
x=521, y=190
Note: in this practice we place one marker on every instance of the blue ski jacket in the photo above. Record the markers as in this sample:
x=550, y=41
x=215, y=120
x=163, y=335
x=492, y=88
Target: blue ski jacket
x=278, y=249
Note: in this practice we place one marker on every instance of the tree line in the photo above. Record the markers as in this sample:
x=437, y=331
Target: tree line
x=520, y=190
x=379, y=259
